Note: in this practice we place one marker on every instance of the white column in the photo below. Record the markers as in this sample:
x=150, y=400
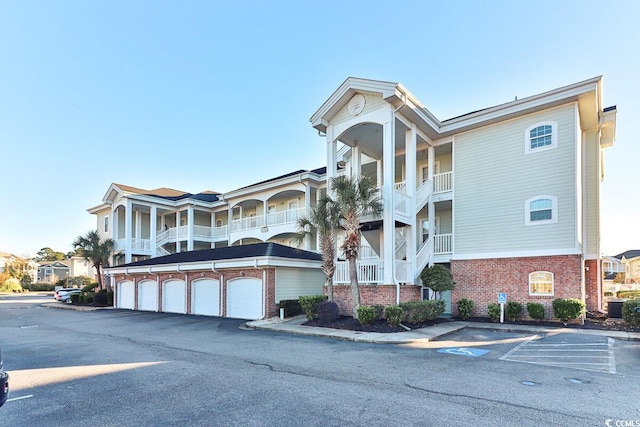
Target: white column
x=411, y=185
x=190, y=228
x=431, y=205
x=178, y=215
x=153, y=230
x=380, y=172
x=127, y=233
x=332, y=158
x=388, y=225
x=356, y=161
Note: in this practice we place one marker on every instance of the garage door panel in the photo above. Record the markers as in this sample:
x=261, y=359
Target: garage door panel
x=205, y=297
x=126, y=295
x=174, y=296
x=244, y=299
x=148, y=295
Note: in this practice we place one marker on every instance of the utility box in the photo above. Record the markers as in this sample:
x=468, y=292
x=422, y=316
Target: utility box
x=614, y=309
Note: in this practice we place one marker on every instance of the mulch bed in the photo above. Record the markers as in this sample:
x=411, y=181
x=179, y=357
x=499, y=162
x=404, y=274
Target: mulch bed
x=349, y=323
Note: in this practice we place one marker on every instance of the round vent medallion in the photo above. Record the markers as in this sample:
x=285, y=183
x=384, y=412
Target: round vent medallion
x=356, y=105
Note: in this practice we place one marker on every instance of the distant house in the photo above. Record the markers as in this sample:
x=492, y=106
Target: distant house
x=52, y=271
x=7, y=258
x=631, y=262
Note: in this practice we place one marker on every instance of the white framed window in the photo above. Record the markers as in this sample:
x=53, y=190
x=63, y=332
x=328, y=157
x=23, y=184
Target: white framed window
x=106, y=224
x=541, y=283
x=541, y=210
x=218, y=223
x=540, y=137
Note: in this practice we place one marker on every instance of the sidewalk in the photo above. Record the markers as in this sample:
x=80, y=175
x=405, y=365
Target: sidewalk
x=431, y=333
x=64, y=306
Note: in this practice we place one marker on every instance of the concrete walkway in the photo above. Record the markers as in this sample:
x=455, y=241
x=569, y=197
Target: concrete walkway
x=430, y=333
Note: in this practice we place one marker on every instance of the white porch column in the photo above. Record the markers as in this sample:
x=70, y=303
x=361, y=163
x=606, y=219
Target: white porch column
x=138, y=228
x=388, y=224
x=178, y=215
x=153, y=230
x=127, y=232
x=411, y=186
x=190, y=228
x=380, y=173
x=114, y=223
x=356, y=161
x=431, y=153
x=332, y=158
x=213, y=226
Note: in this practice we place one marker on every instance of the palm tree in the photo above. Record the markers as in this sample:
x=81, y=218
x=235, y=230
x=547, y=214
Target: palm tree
x=355, y=198
x=95, y=250
x=323, y=220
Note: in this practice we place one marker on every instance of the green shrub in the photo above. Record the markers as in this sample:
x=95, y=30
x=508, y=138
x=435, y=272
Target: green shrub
x=310, y=305
x=628, y=294
x=11, y=285
x=608, y=294
x=366, y=315
x=77, y=298
x=393, y=313
x=494, y=311
x=291, y=307
x=535, y=310
x=567, y=309
x=513, y=310
x=36, y=287
x=465, y=308
x=110, y=299
x=328, y=311
x=100, y=299
x=438, y=278
x=90, y=287
x=421, y=311
x=628, y=313
x=379, y=310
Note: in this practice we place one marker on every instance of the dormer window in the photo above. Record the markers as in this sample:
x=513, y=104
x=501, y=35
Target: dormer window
x=540, y=137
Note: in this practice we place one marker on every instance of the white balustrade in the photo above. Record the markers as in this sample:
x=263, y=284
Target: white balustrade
x=442, y=182
x=443, y=243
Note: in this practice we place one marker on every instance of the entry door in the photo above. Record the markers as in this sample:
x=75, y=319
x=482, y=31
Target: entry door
x=292, y=208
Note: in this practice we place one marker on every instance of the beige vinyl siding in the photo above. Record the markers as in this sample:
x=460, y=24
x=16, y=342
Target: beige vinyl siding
x=292, y=283
x=592, y=192
x=493, y=177
x=101, y=216
x=372, y=103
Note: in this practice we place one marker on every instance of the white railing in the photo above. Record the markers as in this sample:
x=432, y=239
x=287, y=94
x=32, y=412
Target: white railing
x=442, y=182
x=402, y=271
x=119, y=245
x=290, y=216
x=443, y=244
x=221, y=231
x=423, y=255
x=400, y=186
x=183, y=232
x=247, y=223
x=369, y=271
x=401, y=202
x=423, y=193
x=141, y=244
x=202, y=231
x=160, y=251
x=367, y=251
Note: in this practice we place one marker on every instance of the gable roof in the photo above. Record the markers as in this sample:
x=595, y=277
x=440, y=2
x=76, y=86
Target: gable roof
x=633, y=253
x=256, y=250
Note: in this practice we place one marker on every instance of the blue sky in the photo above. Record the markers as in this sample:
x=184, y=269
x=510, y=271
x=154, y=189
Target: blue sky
x=208, y=95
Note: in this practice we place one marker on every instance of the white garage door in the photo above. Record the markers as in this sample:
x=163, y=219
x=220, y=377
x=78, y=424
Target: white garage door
x=244, y=298
x=174, y=296
x=205, y=297
x=126, y=295
x=148, y=295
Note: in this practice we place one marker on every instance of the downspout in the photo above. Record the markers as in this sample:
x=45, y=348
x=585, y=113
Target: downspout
x=393, y=267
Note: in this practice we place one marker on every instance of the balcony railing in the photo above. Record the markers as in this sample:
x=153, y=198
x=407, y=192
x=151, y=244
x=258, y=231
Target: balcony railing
x=370, y=271
x=443, y=244
x=442, y=182
x=290, y=216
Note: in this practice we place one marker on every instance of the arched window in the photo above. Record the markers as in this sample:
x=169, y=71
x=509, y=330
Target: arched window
x=541, y=210
x=541, y=283
x=541, y=136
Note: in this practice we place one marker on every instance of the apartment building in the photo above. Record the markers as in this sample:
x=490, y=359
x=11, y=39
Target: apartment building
x=506, y=197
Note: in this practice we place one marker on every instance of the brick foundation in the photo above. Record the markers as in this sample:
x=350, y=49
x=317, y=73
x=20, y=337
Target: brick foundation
x=593, y=285
x=481, y=280
x=372, y=295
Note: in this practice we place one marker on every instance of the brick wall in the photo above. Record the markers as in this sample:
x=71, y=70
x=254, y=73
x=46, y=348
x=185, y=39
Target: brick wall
x=481, y=280
x=372, y=295
x=593, y=285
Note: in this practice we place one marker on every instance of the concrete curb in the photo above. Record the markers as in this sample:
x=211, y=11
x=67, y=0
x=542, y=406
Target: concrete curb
x=294, y=326
x=63, y=306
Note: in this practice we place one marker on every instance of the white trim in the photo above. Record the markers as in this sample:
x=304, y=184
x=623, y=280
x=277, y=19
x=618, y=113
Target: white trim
x=554, y=210
x=554, y=137
x=517, y=254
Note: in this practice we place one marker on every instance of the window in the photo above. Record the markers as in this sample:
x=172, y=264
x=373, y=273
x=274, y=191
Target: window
x=48, y=274
x=541, y=283
x=541, y=210
x=541, y=136
x=106, y=224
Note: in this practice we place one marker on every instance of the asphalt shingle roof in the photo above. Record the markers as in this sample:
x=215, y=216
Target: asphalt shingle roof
x=230, y=252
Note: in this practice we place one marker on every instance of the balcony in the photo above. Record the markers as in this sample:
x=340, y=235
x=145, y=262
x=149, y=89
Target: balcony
x=288, y=217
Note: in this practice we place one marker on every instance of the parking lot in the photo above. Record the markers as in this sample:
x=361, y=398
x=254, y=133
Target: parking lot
x=118, y=367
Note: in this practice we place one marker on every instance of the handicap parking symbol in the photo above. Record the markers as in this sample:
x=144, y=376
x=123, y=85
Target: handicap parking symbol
x=463, y=351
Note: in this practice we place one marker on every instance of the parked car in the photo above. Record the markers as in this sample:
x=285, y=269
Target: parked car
x=66, y=297
x=4, y=383
x=61, y=292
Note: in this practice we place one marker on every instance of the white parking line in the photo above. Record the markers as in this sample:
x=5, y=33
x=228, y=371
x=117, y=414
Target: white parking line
x=20, y=398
